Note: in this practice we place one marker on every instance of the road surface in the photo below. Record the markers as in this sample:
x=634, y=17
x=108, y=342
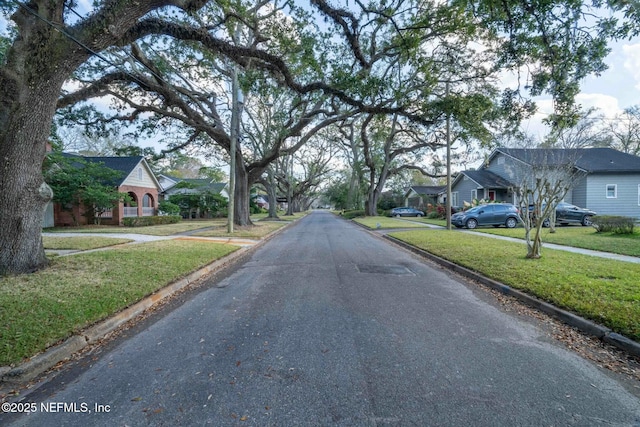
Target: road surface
x=327, y=324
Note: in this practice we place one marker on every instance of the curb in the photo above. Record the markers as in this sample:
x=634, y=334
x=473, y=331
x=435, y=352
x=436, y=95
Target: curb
x=601, y=332
x=55, y=354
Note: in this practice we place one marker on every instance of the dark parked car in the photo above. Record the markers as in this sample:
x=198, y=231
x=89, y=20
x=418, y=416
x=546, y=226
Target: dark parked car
x=398, y=212
x=567, y=213
x=495, y=214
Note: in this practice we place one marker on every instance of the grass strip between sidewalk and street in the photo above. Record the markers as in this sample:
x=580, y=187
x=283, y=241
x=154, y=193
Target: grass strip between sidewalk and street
x=603, y=290
x=37, y=310
x=384, y=222
x=259, y=230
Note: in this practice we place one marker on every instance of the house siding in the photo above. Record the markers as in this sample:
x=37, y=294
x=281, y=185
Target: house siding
x=589, y=192
x=134, y=181
x=626, y=202
x=464, y=189
x=578, y=194
x=507, y=170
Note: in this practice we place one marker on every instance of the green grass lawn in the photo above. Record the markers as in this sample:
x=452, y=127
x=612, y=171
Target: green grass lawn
x=81, y=243
x=40, y=309
x=259, y=230
x=606, y=291
x=386, y=222
x=281, y=216
x=433, y=221
x=580, y=237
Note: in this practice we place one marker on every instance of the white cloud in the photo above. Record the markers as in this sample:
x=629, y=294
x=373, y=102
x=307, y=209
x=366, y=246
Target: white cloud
x=607, y=104
x=631, y=54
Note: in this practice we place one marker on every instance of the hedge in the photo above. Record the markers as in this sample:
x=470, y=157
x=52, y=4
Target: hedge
x=142, y=221
x=614, y=224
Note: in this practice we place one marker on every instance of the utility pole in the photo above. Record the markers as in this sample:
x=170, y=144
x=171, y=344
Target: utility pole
x=448, y=131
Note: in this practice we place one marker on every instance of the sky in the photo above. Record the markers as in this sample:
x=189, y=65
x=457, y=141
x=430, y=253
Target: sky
x=616, y=89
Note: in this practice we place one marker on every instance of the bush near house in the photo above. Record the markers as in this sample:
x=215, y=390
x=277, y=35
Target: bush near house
x=438, y=211
x=142, y=221
x=613, y=224
x=168, y=208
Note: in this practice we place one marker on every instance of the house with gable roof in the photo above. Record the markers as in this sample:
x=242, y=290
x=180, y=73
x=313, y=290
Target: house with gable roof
x=419, y=196
x=610, y=184
x=173, y=185
x=137, y=180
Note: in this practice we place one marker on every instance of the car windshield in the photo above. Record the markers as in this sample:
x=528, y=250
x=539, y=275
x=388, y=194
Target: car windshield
x=474, y=210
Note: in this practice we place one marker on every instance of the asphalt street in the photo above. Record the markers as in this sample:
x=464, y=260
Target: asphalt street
x=327, y=324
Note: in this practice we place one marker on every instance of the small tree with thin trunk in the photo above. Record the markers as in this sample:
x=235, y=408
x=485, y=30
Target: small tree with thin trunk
x=546, y=176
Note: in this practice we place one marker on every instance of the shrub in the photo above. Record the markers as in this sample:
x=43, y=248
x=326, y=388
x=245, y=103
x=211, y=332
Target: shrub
x=614, y=224
x=353, y=214
x=168, y=208
x=142, y=221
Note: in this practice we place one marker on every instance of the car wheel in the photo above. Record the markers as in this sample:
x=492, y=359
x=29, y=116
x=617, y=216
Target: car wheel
x=546, y=223
x=511, y=223
x=586, y=221
x=471, y=224
x=397, y=215
x=419, y=215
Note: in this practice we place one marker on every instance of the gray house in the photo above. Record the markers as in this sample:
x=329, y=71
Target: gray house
x=610, y=185
x=419, y=196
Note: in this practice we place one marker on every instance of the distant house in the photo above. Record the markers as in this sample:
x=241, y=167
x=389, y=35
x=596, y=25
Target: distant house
x=610, y=186
x=173, y=186
x=137, y=180
x=419, y=196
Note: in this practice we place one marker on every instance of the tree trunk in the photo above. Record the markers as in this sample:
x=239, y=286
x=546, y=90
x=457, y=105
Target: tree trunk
x=372, y=201
x=29, y=89
x=272, y=192
x=242, y=208
x=370, y=204
x=534, y=246
x=23, y=194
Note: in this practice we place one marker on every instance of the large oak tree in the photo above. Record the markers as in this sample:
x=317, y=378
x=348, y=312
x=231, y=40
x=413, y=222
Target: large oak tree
x=559, y=42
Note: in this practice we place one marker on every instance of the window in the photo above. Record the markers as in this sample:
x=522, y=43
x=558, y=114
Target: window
x=147, y=201
x=612, y=191
x=474, y=194
x=454, y=199
x=139, y=173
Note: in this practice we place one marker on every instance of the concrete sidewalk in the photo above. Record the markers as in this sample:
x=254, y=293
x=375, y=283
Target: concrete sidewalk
x=600, y=254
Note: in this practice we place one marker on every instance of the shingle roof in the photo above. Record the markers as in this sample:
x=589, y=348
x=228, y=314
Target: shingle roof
x=488, y=179
x=125, y=165
x=593, y=160
x=429, y=190
x=196, y=185
x=122, y=164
